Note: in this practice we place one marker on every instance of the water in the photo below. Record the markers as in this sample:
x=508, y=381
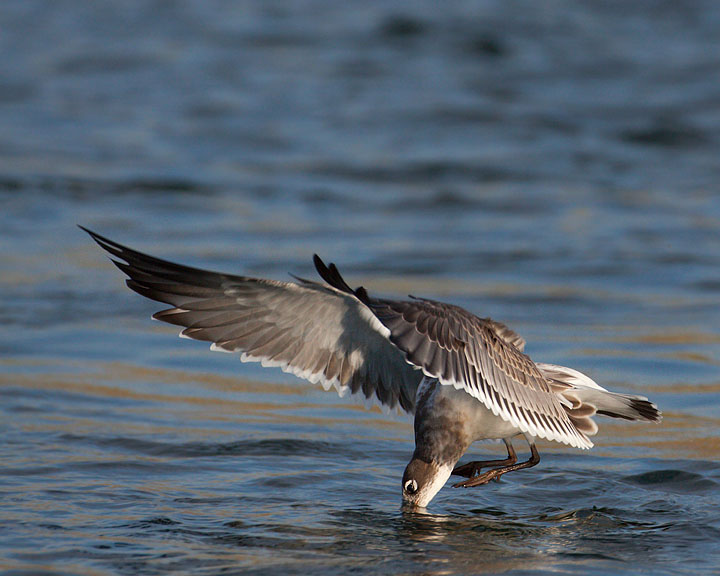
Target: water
x=553, y=165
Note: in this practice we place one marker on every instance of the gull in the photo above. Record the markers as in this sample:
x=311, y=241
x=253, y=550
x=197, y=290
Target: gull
x=463, y=377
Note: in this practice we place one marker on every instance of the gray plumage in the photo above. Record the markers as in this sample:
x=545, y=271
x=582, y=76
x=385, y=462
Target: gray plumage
x=477, y=382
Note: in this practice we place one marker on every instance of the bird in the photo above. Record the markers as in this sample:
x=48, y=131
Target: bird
x=464, y=378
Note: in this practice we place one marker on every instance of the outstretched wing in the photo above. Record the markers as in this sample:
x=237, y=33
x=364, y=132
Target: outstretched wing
x=472, y=354
x=480, y=356
x=316, y=332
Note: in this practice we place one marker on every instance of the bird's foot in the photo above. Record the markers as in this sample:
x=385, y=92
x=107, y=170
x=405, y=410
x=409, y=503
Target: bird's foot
x=481, y=479
x=467, y=470
x=474, y=468
x=495, y=473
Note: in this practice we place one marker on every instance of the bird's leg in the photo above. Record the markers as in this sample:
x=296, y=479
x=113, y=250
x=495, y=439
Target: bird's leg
x=473, y=468
x=497, y=472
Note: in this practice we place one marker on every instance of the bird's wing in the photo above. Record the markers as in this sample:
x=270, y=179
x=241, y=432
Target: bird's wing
x=314, y=331
x=479, y=356
x=506, y=334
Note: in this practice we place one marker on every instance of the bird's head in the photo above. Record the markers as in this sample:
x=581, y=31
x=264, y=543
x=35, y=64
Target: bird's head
x=421, y=481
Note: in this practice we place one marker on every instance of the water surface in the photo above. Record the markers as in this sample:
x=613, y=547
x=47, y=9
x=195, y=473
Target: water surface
x=554, y=167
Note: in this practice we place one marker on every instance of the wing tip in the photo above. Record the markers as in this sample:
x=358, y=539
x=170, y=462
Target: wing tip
x=101, y=240
x=331, y=275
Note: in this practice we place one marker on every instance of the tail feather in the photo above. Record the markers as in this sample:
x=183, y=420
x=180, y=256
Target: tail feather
x=583, y=398
x=623, y=406
x=630, y=408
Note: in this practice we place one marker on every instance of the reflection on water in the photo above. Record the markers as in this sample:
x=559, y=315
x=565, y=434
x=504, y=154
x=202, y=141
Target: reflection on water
x=194, y=474
x=551, y=165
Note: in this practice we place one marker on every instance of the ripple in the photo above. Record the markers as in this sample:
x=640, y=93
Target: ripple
x=674, y=481
x=264, y=447
x=511, y=160
x=154, y=522
x=668, y=134
x=402, y=26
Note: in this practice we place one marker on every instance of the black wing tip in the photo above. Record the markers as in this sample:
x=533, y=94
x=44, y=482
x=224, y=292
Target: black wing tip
x=94, y=235
x=105, y=243
x=323, y=270
x=331, y=275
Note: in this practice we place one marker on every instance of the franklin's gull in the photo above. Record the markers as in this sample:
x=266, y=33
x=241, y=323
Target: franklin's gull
x=465, y=378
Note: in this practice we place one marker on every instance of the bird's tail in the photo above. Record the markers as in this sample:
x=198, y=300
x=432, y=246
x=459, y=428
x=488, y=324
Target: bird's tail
x=583, y=398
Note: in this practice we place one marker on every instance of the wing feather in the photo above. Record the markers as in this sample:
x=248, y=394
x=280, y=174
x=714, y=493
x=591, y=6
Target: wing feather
x=482, y=357
x=343, y=338
x=314, y=331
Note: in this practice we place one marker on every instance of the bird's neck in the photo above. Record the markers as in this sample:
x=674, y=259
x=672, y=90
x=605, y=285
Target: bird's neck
x=441, y=424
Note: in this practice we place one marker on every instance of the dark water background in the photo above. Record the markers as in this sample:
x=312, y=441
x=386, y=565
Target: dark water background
x=554, y=165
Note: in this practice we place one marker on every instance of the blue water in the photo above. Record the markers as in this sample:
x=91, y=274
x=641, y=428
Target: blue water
x=552, y=165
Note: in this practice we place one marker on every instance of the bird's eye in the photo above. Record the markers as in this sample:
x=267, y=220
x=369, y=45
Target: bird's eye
x=410, y=487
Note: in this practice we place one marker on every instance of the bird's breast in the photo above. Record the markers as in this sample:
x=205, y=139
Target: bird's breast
x=448, y=420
